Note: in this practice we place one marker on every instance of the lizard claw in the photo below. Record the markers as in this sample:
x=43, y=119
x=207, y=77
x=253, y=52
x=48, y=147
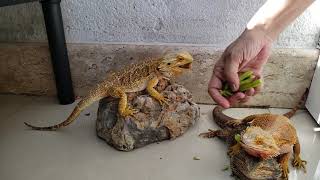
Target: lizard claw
x=163, y=100
x=233, y=123
x=210, y=134
x=285, y=171
x=129, y=112
x=234, y=150
x=299, y=163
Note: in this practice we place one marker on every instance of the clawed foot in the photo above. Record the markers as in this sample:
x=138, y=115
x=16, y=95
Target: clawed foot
x=233, y=123
x=210, y=134
x=299, y=163
x=235, y=149
x=129, y=112
x=285, y=171
x=163, y=100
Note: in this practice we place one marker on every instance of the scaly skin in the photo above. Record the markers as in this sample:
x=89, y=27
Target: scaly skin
x=262, y=135
x=134, y=78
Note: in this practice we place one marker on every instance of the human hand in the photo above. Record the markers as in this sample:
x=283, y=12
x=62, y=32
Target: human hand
x=249, y=51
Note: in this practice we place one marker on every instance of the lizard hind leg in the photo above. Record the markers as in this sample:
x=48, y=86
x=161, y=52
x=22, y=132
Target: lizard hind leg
x=123, y=108
x=214, y=133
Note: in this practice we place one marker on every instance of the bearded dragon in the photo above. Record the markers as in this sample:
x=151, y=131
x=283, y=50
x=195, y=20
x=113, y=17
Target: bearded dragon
x=261, y=135
x=141, y=76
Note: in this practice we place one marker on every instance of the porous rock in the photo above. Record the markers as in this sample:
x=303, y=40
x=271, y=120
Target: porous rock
x=152, y=123
x=246, y=167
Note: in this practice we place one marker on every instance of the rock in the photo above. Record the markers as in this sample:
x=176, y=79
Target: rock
x=153, y=122
x=247, y=167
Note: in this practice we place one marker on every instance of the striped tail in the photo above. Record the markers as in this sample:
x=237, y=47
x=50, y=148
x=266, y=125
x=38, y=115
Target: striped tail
x=300, y=103
x=72, y=117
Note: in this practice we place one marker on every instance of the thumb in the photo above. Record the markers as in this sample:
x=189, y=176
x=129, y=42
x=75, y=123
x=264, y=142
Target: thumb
x=231, y=72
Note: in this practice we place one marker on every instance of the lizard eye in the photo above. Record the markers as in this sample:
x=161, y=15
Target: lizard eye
x=168, y=64
x=180, y=58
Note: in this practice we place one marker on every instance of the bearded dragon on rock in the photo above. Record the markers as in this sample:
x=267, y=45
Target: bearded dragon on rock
x=134, y=78
x=264, y=136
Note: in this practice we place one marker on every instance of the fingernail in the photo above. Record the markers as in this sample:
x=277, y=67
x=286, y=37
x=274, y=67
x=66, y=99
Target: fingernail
x=233, y=87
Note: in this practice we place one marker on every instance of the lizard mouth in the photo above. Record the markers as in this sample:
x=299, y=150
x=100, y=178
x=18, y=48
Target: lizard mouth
x=186, y=66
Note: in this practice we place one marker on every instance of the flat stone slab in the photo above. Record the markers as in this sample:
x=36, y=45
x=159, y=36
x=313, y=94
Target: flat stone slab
x=153, y=122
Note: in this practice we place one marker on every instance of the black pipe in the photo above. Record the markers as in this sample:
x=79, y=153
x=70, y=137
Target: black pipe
x=58, y=50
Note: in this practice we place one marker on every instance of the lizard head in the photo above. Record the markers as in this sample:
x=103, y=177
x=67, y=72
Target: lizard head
x=259, y=143
x=173, y=64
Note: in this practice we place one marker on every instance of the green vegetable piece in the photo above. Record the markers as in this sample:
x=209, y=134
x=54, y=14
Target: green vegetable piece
x=226, y=86
x=225, y=168
x=245, y=75
x=196, y=158
x=246, y=81
x=228, y=93
x=237, y=137
x=225, y=93
x=253, y=84
x=222, y=92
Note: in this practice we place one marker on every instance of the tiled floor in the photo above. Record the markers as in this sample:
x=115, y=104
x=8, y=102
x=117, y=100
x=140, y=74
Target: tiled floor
x=76, y=153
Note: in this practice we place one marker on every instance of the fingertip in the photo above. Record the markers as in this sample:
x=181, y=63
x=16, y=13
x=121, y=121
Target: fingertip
x=250, y=92
x=225, y=104
x=240, y=95
x=257, y=90
x=236, y=97
x=245, y=99
x=218, y=98
x=234, y=87
x=233, y=81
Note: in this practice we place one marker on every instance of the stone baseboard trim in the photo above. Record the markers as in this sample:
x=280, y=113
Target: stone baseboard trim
x=25, y=68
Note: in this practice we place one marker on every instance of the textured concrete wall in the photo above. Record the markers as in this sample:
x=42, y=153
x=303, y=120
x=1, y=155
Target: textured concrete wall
x=26, y=68
x=172, y=21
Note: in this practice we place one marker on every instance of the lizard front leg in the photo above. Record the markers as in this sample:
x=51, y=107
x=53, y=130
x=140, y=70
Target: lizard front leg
x=123, y=108
x=234, y=149
x=154, y=93
x=297, y=161
x=284, y=160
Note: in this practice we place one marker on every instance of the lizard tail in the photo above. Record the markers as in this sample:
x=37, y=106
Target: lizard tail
x=220, y=118
x=87, y=101
x=300, y=103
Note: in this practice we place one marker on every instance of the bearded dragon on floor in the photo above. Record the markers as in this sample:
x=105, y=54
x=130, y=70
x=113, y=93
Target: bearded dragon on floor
x=134, y=78
x=261, y=135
